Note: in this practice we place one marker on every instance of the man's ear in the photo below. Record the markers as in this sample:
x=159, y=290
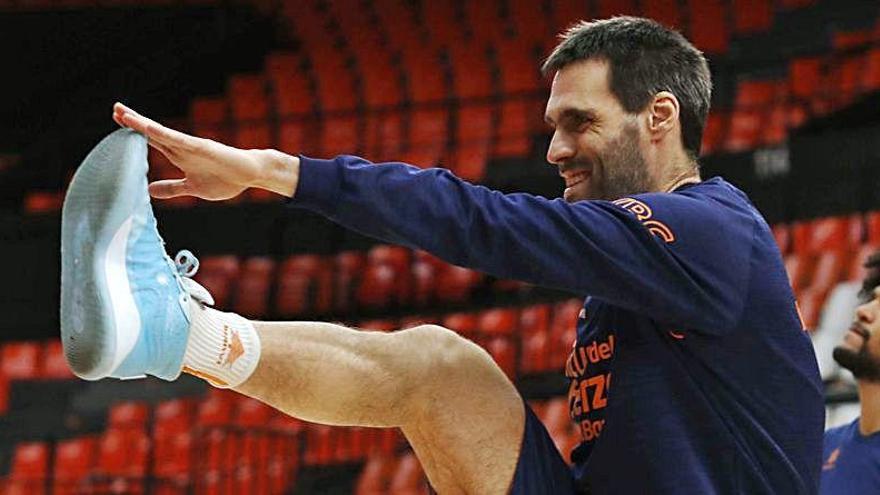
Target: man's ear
x=662, y=114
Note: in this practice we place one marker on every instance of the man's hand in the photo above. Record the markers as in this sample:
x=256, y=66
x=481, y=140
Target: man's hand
x=212, y=170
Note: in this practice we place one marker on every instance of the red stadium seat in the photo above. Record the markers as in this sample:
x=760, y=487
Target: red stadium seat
x=127, y=415
x=214, y=411
x=871, y=71
x=253, y=286
x=483, y=21
x=471, y=71
x=708, y=26
x=172, y=461
x=468, y=161
x=336, y=89
x=518, y=66
x=442, y=22
x=172, y=417
x=810, y=301
x=349, y=266
x=218, y=274
x=610, y=8
x=799, y=267
x=424, y=274
x=384, y=139
x=425, y=82
x=503, y=351
x=782, y=234
x=564, y=14
x=122, y=459
x=398, y=22
x=666, y=12
x=376, y=475
x=340, y=135
x=562, y=330
x=288, y=85
x=379, y=325
x=857, y=271
x=455, y=284
x=745, y=129
x=253, y=135
x=408, y=478
x=377, y=286
x=54, y=365
x=247, y=98
x=36, y=202
x=252, y=413
x=527, y=26
x=499, y=321
x=474, y=124
x=534, y=326
x=74, y=460
x=400, y=259
x=465, y=324
x=829, y=233
x=752, y=16
x=872, y=219
x=209, y=112
x=20, y=360
x=713, y=133
x=30, y=468
x=305, y=285
x=830, y=269
x=513, y=135
x=428, y=130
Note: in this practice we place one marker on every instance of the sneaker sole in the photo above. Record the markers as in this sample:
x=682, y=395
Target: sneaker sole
x=100, y=323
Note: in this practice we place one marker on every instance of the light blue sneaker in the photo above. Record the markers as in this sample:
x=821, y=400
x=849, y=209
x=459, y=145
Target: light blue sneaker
x=124, y=302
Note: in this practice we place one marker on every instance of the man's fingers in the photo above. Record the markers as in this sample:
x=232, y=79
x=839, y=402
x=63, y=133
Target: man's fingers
x=170, y=188
x=152, y=129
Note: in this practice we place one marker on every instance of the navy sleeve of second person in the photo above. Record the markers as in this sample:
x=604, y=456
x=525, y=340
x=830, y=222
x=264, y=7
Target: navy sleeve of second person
x=671, y=257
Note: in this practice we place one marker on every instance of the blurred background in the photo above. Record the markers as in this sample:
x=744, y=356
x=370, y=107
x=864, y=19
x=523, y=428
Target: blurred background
x=795, y=123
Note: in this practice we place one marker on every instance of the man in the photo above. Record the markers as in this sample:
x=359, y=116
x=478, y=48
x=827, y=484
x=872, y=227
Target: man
x=690, y=373
x=852, y=452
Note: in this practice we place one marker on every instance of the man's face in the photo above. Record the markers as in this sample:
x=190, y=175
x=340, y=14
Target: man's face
x=596, y=145
x=859, y=351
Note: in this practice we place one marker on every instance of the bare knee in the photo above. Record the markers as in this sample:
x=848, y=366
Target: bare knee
x=448, y=365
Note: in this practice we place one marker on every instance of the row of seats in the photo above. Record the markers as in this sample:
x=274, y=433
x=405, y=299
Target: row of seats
x=385, y=277
x=766, y=110
x=30, y=361
x=221, y=444
x=821, y=253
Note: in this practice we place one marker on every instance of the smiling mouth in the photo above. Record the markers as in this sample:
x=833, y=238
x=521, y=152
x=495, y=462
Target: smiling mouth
x=861, y=332
x=576, y=178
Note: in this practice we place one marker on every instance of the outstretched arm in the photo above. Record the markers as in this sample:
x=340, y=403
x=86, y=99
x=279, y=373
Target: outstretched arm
x=693, y=274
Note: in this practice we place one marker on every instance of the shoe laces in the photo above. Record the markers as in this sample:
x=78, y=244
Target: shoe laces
x=186, y=263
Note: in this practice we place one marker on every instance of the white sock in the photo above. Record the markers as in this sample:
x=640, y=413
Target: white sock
x=223, y=348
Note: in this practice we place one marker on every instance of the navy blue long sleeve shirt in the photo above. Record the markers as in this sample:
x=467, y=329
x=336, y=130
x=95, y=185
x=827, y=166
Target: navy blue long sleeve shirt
x=691, y=372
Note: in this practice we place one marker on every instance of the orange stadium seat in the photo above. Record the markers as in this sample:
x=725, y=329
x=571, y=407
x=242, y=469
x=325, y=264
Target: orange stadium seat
x=518, y=67
x=381, y=80
x=20, y=360
x=504, y=352
x=74, y=460
x=398, y=22
x=428, y=132
x=829, y=233
x=254, y=284
x=499, y=321
x=54, y=364
x=424, y=273
x=30, y=468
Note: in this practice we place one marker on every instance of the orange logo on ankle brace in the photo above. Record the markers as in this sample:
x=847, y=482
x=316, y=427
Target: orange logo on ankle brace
x=236, y=349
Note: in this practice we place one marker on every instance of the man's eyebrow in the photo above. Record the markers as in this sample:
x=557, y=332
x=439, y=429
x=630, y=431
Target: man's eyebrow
x=573, y=114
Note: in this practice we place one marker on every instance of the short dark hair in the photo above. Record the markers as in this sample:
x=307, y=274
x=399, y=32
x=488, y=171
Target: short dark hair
x=644, y=58
x=872, y=277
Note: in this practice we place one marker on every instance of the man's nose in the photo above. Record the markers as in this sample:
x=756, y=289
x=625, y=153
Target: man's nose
x=560, y=150
x=866, y=313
